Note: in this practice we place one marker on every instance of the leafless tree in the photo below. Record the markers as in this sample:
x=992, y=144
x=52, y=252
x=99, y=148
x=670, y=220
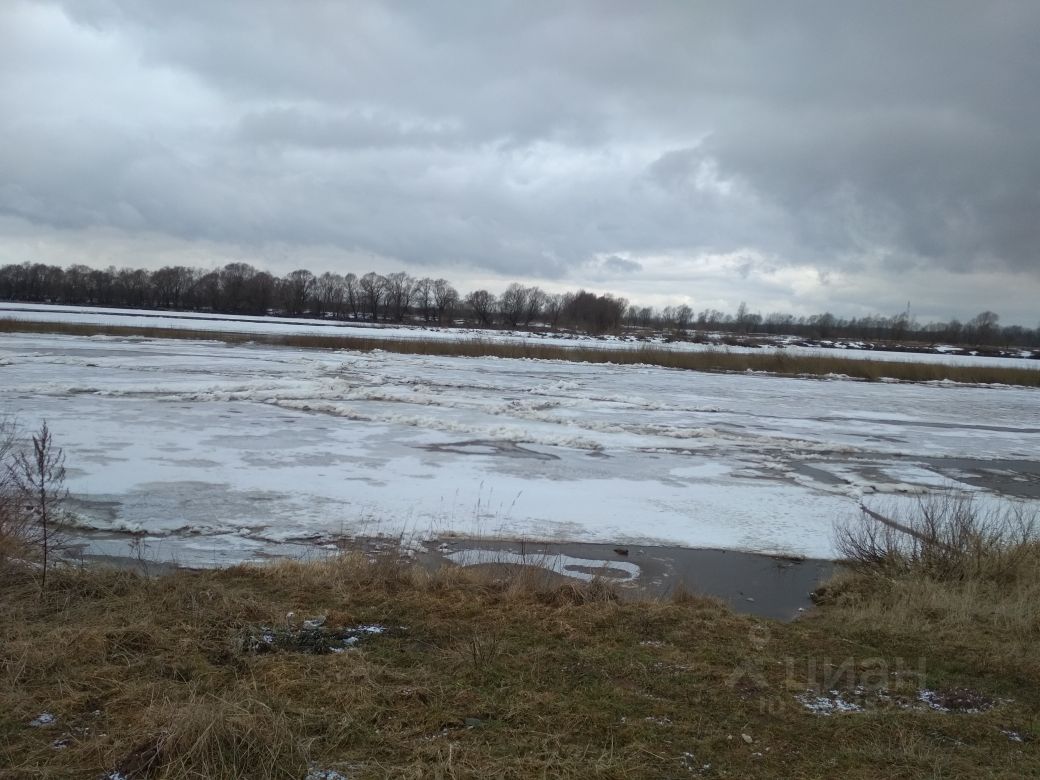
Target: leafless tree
x=445, y=300
x=399, y=289
x=297, y=288
x=352, y=295
x=373, y=288
x=39, y=481
x=328, y=294
x=598, y=313
x=422, y=298
x=746, y=320
x=260, y=292
x=534, y=305
x=552, y=308
x=640, y=315
x=983, y=326
x=172, y=286
x=512, y=304
x=482, y=304
x=134, y=285
x=683, y=315
x=520, y=305
x=234, y=286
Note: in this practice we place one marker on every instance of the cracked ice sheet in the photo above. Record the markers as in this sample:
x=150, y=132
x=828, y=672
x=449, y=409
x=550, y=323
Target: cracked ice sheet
x=214, y=444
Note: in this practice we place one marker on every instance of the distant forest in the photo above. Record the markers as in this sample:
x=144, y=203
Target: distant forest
x=239, y=288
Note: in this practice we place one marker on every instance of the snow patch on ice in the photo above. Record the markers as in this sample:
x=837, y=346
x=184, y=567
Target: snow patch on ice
x=579, y=568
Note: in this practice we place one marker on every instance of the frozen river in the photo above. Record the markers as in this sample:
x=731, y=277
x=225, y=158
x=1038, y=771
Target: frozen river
x=214, y=453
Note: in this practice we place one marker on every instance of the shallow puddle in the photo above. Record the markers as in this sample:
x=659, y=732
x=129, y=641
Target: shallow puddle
x=752, y=583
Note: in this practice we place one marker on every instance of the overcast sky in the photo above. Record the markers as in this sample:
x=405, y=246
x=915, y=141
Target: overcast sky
x=801, y=156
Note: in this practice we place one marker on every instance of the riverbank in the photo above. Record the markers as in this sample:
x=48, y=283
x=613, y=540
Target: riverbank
x=349, y=668
x=771, y=586
x=777, y=361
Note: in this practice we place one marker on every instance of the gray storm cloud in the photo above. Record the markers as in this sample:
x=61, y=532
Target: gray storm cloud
x=895, y=144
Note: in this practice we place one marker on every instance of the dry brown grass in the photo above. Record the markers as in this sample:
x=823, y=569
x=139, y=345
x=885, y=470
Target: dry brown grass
x=210, y=735
x=493, y=673
x=952, y=570
x=15, y=532
x=777, y=362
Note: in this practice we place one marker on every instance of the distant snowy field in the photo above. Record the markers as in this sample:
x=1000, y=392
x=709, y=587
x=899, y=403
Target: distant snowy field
x=218, y=453
x=301, y=326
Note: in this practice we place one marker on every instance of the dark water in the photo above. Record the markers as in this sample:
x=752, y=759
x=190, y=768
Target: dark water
x=1019, y=478
x=752, y=583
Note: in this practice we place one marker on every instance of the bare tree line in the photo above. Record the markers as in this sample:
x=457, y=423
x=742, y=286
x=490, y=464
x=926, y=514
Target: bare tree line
x=982, y=329
x=239, y=288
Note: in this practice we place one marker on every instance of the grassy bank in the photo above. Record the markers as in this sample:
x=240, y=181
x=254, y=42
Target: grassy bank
x=214, y=674
x=777, y=362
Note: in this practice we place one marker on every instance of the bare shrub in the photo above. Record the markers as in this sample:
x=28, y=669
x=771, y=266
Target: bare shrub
x=482, y=649
x=36, y=479
x=947, y=537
